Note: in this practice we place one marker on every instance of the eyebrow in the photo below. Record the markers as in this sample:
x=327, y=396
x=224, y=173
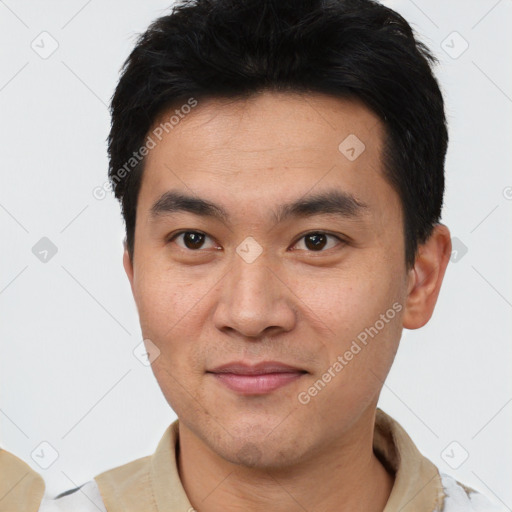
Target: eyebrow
x=334, y=202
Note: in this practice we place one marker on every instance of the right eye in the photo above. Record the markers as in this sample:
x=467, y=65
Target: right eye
x=191, y=240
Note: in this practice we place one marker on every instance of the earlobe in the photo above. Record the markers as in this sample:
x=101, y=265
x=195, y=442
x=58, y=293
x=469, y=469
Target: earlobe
x=426, y=277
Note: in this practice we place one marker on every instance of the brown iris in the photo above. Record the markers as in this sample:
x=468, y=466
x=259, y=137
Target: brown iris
x=193, y=240
x=315, y=241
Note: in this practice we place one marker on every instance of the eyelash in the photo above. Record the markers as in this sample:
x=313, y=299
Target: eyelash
x=339, y=239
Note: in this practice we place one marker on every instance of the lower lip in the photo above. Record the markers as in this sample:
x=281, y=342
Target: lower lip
x=256, y=384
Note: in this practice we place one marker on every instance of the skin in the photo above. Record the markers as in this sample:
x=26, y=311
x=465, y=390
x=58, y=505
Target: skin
x=207, y=306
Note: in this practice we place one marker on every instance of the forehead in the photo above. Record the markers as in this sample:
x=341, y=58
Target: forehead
x=271, y=146
x=269, y=121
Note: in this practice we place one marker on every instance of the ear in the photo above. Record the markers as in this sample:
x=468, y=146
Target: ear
x=128, y=264
x=426, y=276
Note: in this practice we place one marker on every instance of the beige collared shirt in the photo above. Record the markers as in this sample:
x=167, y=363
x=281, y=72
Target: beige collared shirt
x=21, y=488
x=152, y=484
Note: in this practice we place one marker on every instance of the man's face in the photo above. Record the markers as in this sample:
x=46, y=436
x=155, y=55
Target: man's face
x=263, y=285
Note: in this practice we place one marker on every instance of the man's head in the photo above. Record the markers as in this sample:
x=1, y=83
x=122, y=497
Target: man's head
x=281, y=209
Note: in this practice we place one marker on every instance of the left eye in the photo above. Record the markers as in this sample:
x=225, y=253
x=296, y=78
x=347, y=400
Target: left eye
x=318, y=241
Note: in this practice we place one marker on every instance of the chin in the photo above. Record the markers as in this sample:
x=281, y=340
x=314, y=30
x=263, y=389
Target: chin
x=263, y=456
x=257, y=448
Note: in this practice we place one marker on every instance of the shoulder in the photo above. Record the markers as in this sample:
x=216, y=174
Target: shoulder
x=21, y=488
x=86, y=498
x=460, y=498
x=129, y=479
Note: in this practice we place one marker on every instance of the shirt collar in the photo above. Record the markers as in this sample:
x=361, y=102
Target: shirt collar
x=417, y=485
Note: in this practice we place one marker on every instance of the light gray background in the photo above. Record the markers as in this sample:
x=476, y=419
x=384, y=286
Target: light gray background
x=68, y=327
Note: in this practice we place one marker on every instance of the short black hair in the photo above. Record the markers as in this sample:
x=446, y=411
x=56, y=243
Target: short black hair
x=235, y=48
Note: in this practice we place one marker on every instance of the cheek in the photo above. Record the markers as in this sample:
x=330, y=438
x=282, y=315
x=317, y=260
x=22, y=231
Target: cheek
x=360, y=314
x=171, y=313
x=364, y=331
x=164, y=301
x=347, y=302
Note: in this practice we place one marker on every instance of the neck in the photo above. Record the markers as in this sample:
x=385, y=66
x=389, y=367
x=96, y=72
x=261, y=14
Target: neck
x=344, y=477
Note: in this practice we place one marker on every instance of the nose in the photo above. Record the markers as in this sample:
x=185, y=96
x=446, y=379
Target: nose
x=255, y=301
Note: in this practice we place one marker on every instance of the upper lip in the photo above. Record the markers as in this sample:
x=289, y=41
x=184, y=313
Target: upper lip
x=262, y=368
